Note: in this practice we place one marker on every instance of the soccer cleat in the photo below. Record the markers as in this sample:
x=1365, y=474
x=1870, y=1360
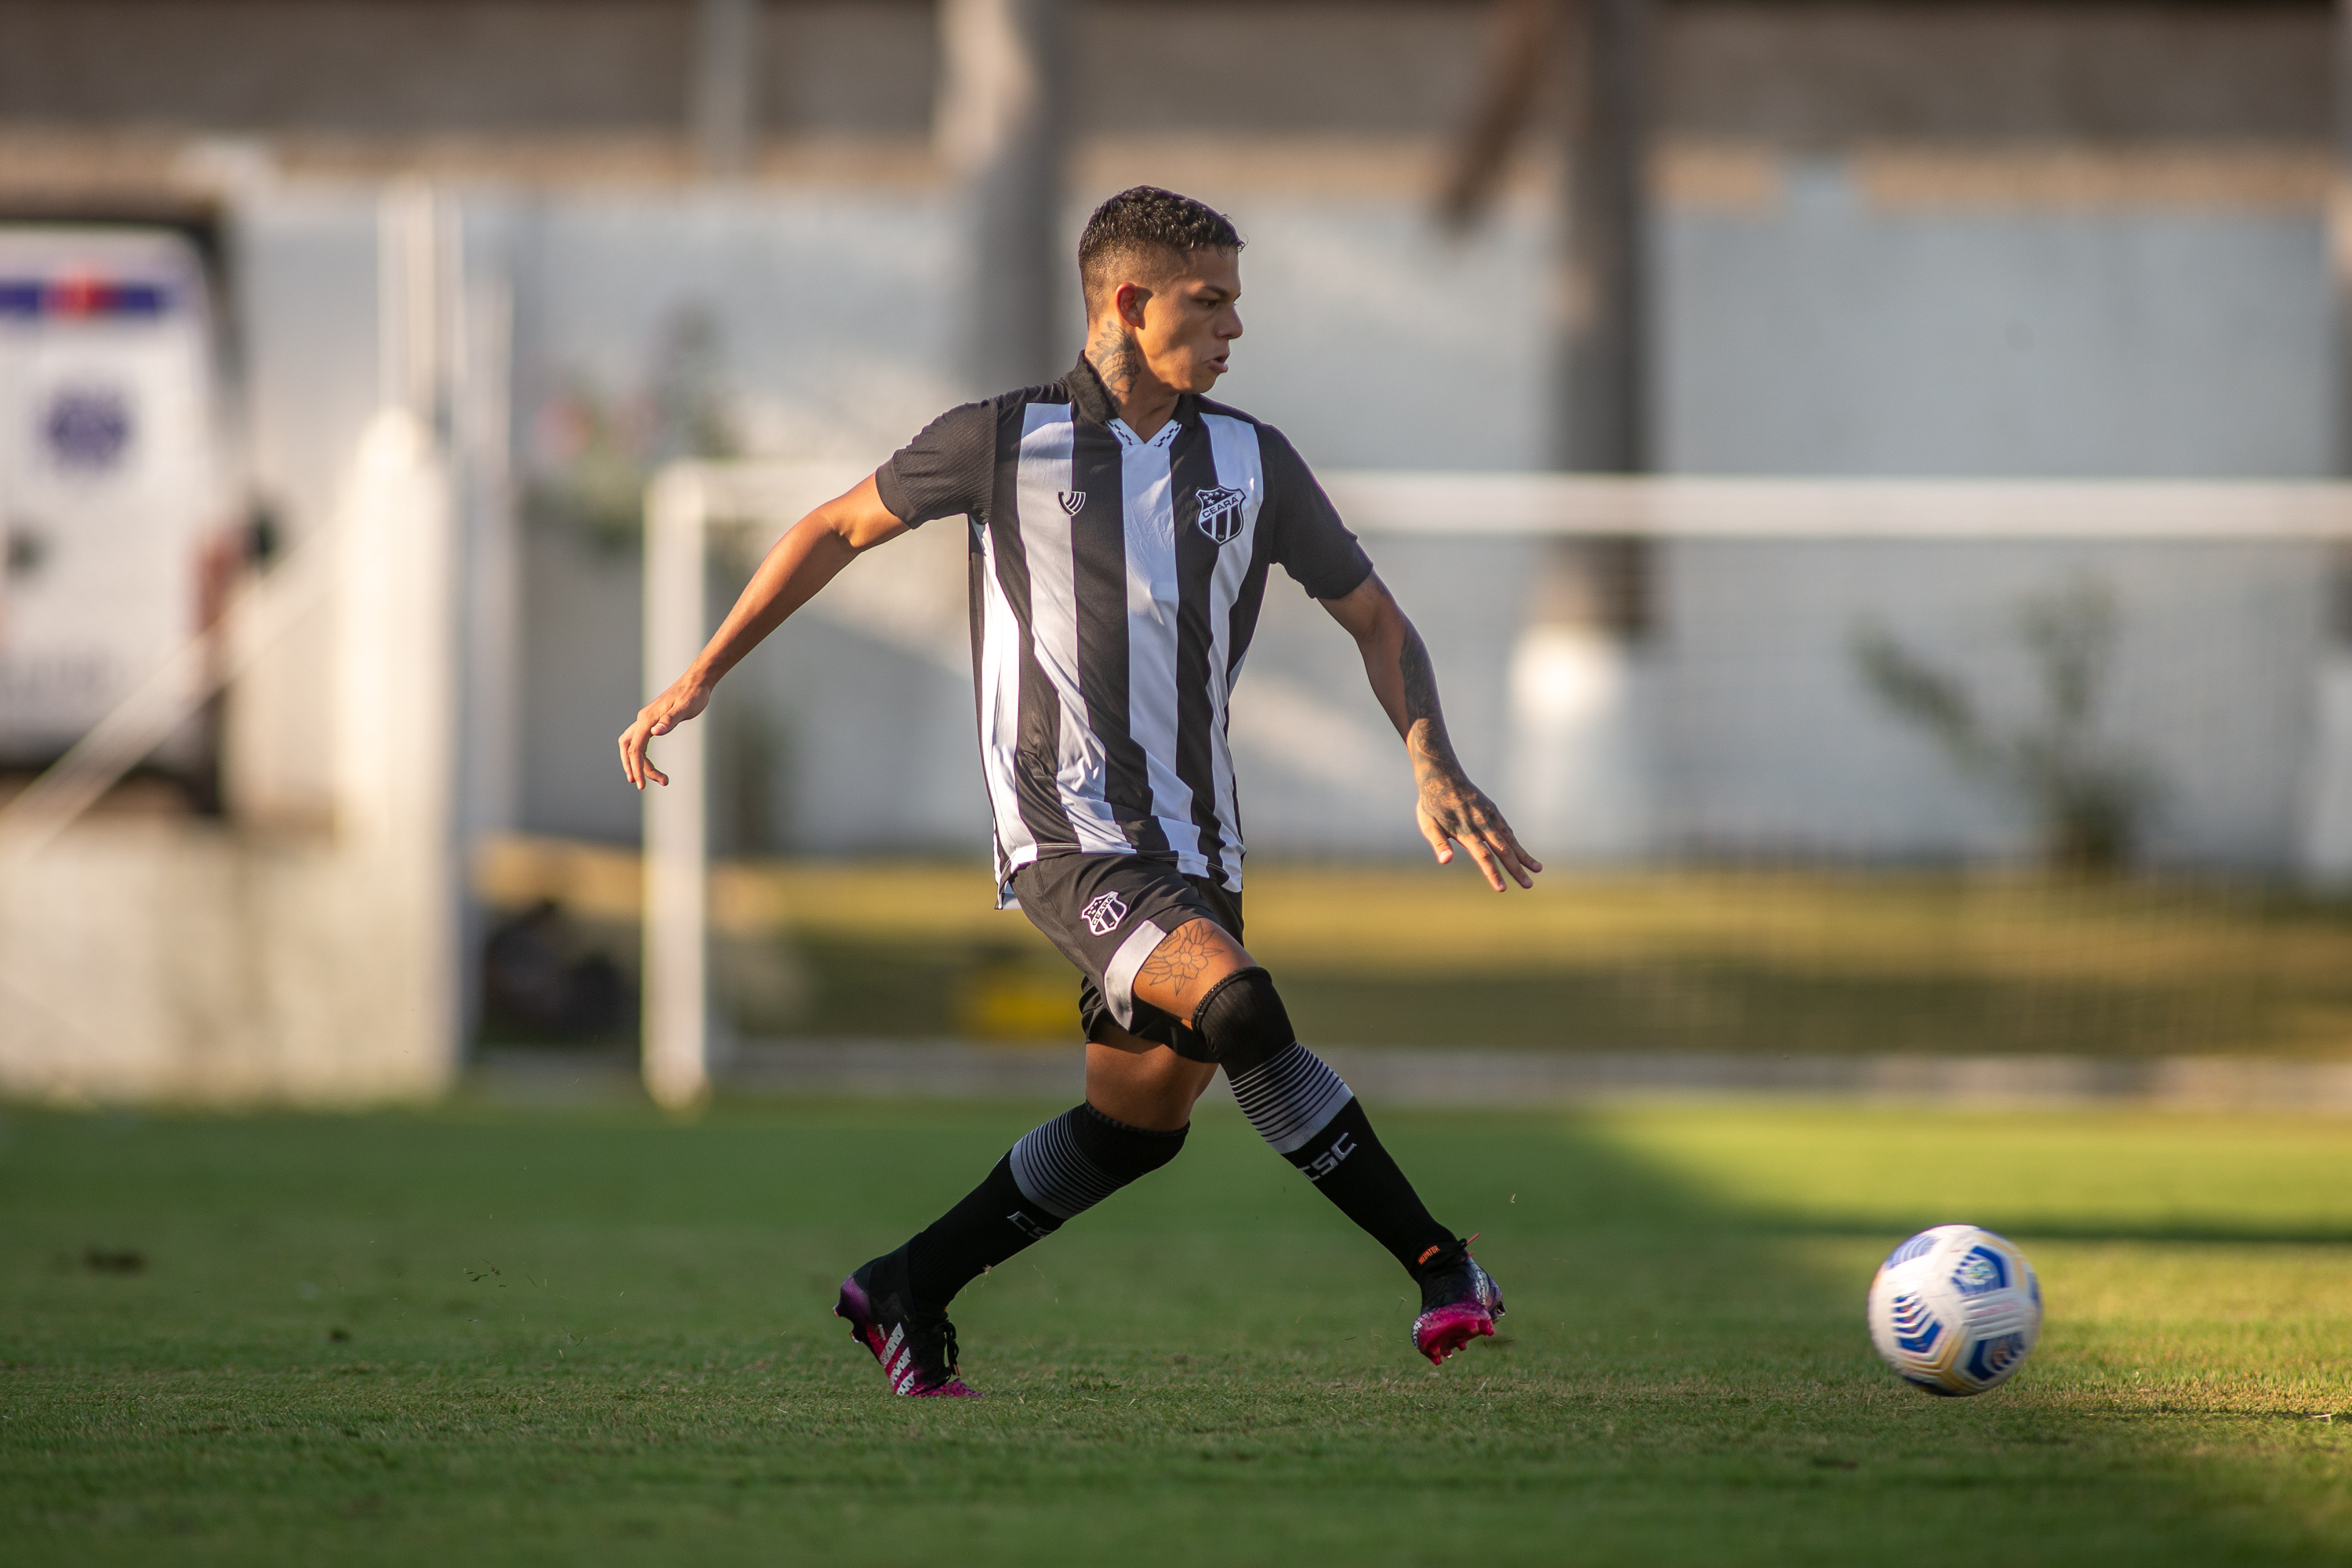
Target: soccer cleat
x=1459, y=1303
x=917, y=1348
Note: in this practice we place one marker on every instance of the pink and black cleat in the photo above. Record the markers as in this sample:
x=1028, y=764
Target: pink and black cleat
x=917, y=1348
x=1459, y=1303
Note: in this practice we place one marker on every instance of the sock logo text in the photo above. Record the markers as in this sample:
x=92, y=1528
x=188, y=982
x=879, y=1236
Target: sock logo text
x=1326, y=1163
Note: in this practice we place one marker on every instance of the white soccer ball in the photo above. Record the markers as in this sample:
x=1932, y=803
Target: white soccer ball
x=1955, y=1309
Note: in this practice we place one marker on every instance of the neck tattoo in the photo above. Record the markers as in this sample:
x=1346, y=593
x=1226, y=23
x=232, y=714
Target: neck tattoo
x=1116, y=361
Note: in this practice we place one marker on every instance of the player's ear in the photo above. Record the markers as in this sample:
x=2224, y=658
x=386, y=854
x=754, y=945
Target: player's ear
x=1128, y=299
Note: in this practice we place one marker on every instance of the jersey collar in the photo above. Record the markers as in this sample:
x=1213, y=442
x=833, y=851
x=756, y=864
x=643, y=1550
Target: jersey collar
x=1093, y=401
x=1087, y=394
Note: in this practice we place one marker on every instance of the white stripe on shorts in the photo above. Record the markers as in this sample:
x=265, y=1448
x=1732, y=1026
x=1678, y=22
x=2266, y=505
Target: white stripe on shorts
x=1119, y=974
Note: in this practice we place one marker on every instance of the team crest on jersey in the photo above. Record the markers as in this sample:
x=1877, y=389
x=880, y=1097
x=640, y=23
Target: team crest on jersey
x=1221, y=512
x=1103, y=913
x=1073, y=501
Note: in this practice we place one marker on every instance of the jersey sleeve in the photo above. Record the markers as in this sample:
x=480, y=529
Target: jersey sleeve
x=1307, y=537
x=949, y=467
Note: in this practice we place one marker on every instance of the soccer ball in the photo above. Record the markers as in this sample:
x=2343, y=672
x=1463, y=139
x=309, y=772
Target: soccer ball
x=1955, y=1309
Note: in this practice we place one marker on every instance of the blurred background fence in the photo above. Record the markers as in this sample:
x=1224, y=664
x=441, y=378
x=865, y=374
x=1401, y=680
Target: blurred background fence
x=340, y=345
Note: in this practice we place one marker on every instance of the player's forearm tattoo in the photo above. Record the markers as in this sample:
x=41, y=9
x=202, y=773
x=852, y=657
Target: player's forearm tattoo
x=1459, y=807
x=1425, y=721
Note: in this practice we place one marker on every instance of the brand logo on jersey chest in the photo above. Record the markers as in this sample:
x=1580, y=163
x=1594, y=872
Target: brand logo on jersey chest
x=1221, y=512
x=1103, y=913
x=1073, y=501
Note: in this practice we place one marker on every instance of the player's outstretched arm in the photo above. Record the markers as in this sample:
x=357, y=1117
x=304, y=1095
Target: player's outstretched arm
x=805, y=560
x=1452, y=809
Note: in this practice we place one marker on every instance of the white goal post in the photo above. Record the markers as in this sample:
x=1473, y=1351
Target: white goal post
x=688, y=500
x=683, y=505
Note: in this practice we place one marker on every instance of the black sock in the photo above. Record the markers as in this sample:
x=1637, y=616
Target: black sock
x=1312, y=1119
x=988, y=1226
x=1358, y=1173
x=1057, y=1171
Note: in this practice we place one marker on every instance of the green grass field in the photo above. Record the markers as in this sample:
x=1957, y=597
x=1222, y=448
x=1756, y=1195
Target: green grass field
x=488, y=1336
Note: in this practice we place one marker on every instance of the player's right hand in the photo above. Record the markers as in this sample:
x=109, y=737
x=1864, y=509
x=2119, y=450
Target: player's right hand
x=686, y=698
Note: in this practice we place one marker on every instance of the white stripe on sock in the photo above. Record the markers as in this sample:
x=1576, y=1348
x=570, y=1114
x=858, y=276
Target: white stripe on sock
x=1290, y=1097
x=1055, y=1173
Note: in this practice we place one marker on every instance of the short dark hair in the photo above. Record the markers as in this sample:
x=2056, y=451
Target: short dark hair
x=1146, y=220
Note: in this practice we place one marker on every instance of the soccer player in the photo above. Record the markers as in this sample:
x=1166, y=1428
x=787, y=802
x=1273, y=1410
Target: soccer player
x=1122, y=528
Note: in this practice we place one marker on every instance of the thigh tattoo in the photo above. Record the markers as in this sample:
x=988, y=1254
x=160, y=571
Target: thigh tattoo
x=1177, y=961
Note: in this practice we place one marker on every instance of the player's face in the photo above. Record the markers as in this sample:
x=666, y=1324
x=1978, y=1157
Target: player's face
x=1191, y=322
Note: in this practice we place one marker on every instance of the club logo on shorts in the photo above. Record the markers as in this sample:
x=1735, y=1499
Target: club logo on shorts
x=1221, y=512
x=1073, y=501
x=1103, y=913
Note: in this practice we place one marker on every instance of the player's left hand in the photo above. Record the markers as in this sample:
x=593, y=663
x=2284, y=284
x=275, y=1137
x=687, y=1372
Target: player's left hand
x=1453, y=810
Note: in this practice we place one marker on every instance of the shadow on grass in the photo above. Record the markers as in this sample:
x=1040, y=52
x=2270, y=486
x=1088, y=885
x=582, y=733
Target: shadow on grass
x=594, y=1337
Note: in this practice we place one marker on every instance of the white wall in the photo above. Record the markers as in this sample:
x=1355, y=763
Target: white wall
x=1767, y=740
x=1819, y=332
x=304, y=268
x=191, y=967
x=1812, y=331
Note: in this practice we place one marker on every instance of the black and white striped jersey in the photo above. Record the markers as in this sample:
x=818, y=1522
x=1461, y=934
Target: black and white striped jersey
x=1115, y=585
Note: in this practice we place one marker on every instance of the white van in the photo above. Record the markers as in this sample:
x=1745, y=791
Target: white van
x=110, y=470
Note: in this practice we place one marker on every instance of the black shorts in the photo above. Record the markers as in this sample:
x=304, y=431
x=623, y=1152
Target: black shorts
x=1106, y=913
